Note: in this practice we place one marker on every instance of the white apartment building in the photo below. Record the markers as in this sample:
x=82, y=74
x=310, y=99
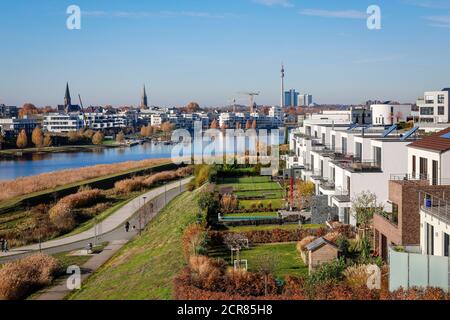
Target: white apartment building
x=345, y=160
x=429, y=158
x=231, y=119
x=435, y=106
x=63, y=123
x=389, y=114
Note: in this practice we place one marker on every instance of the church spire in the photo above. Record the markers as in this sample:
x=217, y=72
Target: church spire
x=67, y=99
x=144, y=102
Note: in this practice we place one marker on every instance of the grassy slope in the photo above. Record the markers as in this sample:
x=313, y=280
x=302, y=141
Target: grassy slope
x=145, y=268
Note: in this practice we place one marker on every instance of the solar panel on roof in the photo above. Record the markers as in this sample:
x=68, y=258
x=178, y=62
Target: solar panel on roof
x=446, y=136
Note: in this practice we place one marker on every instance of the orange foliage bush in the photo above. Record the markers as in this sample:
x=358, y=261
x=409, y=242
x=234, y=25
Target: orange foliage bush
x=193, y=237
x=19, y=278
x=129, y=185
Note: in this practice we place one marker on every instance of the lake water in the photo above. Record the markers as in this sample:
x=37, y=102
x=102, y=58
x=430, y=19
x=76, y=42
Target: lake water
x=34, y=164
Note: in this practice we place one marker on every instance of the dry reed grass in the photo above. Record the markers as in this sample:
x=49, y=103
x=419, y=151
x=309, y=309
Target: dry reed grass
x=21, y=186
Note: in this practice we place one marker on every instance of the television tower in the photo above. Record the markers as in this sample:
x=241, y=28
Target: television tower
x=282, y=86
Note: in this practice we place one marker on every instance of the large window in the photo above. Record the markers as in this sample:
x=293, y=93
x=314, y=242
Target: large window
x=430, y=239
x=446, y=245
x=414, y=171
x=427, y=111
x=377, y=155
x=358, y=150
x=441, y=98
x=344, y=145
x=423, y=167
x=429, y=99
x=441, y=110
x=435, y=177
x=333, y=142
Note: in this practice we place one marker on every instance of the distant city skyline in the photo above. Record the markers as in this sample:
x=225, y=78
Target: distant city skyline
x=207, y=51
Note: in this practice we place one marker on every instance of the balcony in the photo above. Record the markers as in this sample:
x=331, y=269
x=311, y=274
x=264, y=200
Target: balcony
x=357, y=165
x=437, y=207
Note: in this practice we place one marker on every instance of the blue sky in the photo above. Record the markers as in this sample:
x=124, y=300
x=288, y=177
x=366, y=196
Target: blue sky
x=207, y=50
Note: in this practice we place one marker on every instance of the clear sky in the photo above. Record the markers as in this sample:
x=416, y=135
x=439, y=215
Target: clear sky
x=207, y=50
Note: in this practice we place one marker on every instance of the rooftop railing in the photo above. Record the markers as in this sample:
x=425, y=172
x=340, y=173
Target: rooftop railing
x=435, y=206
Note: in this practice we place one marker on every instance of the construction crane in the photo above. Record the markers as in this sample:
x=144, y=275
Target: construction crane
x=232, y=102
x=251, y=96
x=82, y=109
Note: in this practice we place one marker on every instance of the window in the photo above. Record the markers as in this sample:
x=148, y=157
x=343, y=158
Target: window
x=333, y=142
x=414, y=166
x=377, y=155
x=441, y=98
x=429, y=99
x=441, y=110
x=358, y=150
x=423, y=167
x=435, y=173
x=427, y=111
x=446, y=245
x=344, y=145
x=323, y=138
x=430, y=239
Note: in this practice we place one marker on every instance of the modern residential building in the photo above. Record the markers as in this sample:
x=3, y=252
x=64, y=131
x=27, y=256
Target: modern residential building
x=389, y=114
x=401, y=227
x=63, y=123
x=435, y=106
x=13, y=126
x=429, y=158
x=8, y=111
x=232, y=120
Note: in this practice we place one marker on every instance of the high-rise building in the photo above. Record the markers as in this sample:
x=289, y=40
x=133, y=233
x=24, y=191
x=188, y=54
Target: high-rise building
x=8, y=111
x=291, y=98
x=305, y=100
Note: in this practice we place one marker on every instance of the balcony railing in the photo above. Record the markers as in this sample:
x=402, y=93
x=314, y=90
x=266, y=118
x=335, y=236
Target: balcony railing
x=435, y=206
x=328, y=185
x=362, y=165
x=409, y=177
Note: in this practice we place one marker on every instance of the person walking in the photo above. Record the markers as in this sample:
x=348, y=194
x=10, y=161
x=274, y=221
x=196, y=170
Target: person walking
x=5, y=245
x=2, y=245
x=127, y=226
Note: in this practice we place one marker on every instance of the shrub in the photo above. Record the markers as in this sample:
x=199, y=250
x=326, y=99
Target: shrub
x=62, y=216
x=129, y=185
x=356, y=276
x=20, y=278
x=228, y=203
x=328, y=272
x=194, y=239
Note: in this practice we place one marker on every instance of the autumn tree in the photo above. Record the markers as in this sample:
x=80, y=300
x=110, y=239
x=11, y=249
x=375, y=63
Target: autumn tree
x=364, y=207
x=254, y=124
x=28, y=109
x=37, y=137
x=48, y=140
x=214, y=124
x=248, y=125
x=167, y=127
x=120, y=138
x=73, y=136
x=88, y=134
x=22, y=140
x=2, y=140
x=98, y=137
x=305, y=191
x=192, y=107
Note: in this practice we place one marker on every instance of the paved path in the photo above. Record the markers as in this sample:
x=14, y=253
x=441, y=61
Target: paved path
x=112, y=228
x=59, y=291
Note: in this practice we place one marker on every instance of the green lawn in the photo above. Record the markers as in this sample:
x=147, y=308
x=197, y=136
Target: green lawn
x=255, y=179
x=286, y=259
x=276, y=203
x=272, y=227
x=269, y=194
x=253, y=214
x=145, y=268
x=252, y=186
